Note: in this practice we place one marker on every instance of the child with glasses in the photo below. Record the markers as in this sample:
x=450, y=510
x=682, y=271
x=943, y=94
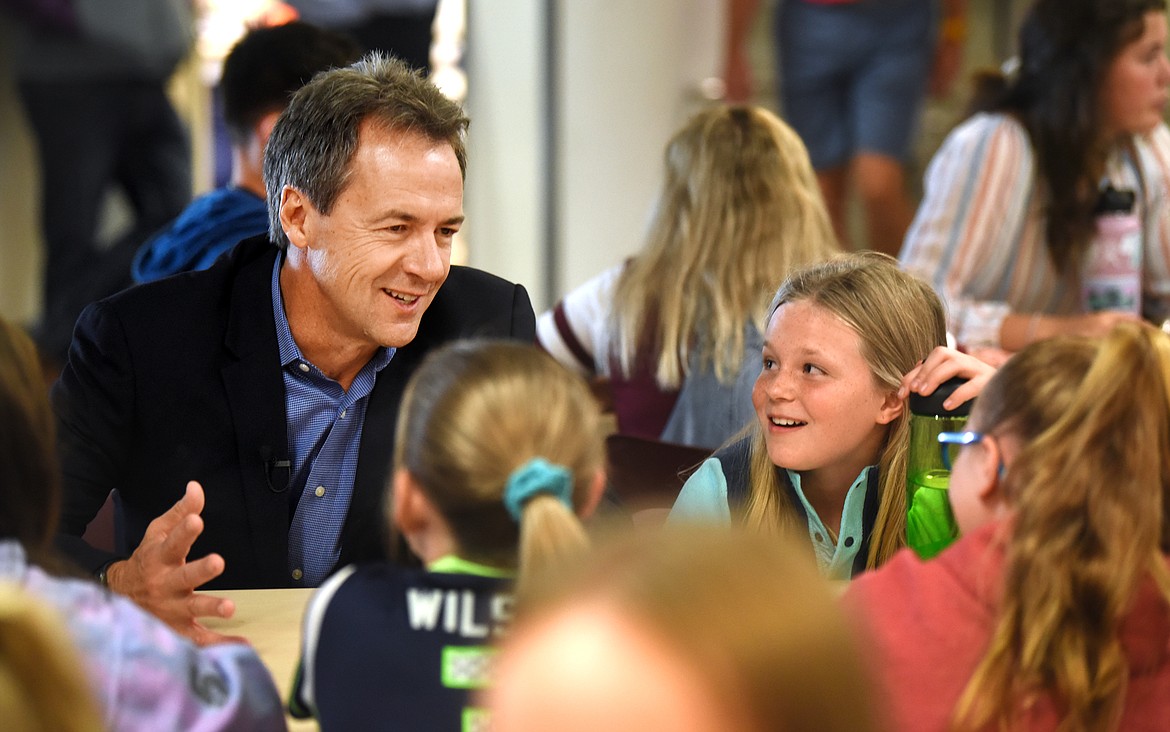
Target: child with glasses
x=1052, y=611
x=827, y=454
x=498, y=451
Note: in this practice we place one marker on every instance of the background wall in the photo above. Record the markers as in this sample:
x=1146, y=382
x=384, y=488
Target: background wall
x=571, y=103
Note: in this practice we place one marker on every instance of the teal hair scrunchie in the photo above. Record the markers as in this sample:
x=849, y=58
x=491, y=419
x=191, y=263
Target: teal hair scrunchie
x=535, y=477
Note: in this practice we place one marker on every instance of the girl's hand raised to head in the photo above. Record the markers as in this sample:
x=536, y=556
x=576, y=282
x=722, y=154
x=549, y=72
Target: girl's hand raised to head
x=942, y=364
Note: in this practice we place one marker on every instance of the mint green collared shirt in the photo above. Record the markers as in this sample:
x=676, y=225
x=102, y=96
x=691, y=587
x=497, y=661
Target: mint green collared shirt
x=704, y=498
x=836, y=560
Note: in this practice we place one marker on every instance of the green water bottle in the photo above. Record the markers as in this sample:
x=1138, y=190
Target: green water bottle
x=930, y=525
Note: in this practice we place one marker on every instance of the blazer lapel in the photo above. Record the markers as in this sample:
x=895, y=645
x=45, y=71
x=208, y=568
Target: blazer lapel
x=255, y=392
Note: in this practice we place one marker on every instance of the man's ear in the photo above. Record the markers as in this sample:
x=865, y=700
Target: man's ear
x=890, y=408
x=295, y=216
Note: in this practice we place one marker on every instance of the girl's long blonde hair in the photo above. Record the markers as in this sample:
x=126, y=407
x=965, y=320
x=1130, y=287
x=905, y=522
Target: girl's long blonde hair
x=473, y=413
x=739, y=208
x=1089, y=494
x=900, y=320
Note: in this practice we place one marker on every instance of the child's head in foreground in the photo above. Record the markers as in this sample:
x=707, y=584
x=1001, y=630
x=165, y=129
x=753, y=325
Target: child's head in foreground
x=693, y=629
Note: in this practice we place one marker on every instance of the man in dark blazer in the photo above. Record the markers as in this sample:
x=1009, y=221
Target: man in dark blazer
x=269, y=384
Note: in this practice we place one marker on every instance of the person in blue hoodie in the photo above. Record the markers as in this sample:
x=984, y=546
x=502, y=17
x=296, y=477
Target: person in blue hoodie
x=259, y=75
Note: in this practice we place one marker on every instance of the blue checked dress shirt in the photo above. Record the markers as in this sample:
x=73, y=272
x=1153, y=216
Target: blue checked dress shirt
x=324, y=431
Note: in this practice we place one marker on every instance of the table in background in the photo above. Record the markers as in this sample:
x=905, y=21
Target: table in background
x=271, y=621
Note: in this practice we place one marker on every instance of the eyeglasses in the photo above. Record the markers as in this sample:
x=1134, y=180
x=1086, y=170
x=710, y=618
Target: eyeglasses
x=946, y=439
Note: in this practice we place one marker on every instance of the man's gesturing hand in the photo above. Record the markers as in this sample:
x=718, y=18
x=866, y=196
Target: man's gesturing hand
x=159, y=578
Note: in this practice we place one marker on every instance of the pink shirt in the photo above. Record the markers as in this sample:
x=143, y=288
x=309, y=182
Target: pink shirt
x=928, y=624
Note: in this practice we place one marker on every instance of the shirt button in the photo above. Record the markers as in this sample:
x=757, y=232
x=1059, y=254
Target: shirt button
x=297, y=574
x=819, y=537
x=303, y=367
x=343, y=413
x=320, y=491
x=848, y=541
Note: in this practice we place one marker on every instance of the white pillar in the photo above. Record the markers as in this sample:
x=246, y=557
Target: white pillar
x=625, y=76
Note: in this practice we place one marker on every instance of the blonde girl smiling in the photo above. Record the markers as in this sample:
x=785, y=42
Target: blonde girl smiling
x=827, y=454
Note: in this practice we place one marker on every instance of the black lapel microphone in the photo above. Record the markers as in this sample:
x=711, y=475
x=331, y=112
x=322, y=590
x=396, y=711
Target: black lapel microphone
x=277, y=472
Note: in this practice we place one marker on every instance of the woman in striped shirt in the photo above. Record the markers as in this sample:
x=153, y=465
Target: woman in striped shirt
x=1007, y=221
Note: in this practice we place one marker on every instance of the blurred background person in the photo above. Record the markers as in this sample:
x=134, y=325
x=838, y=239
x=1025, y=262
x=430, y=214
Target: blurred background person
x=259, y=75
x=1007, y=223
x=675, y=329
x=92, y=76
x=852, y=76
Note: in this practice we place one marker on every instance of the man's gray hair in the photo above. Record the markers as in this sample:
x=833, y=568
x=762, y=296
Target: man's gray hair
x=315, y=138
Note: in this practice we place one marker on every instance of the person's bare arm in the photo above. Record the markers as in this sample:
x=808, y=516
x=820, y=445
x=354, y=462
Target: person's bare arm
x=1020, y=329
x=738, y=84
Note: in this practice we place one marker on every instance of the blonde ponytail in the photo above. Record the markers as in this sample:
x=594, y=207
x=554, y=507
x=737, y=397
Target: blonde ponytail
x=1089, y=497
x=550, y=535
x=481, y=416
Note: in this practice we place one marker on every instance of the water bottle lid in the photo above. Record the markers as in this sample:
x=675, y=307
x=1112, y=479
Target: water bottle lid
x=1113, y=200
x=932, y=405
